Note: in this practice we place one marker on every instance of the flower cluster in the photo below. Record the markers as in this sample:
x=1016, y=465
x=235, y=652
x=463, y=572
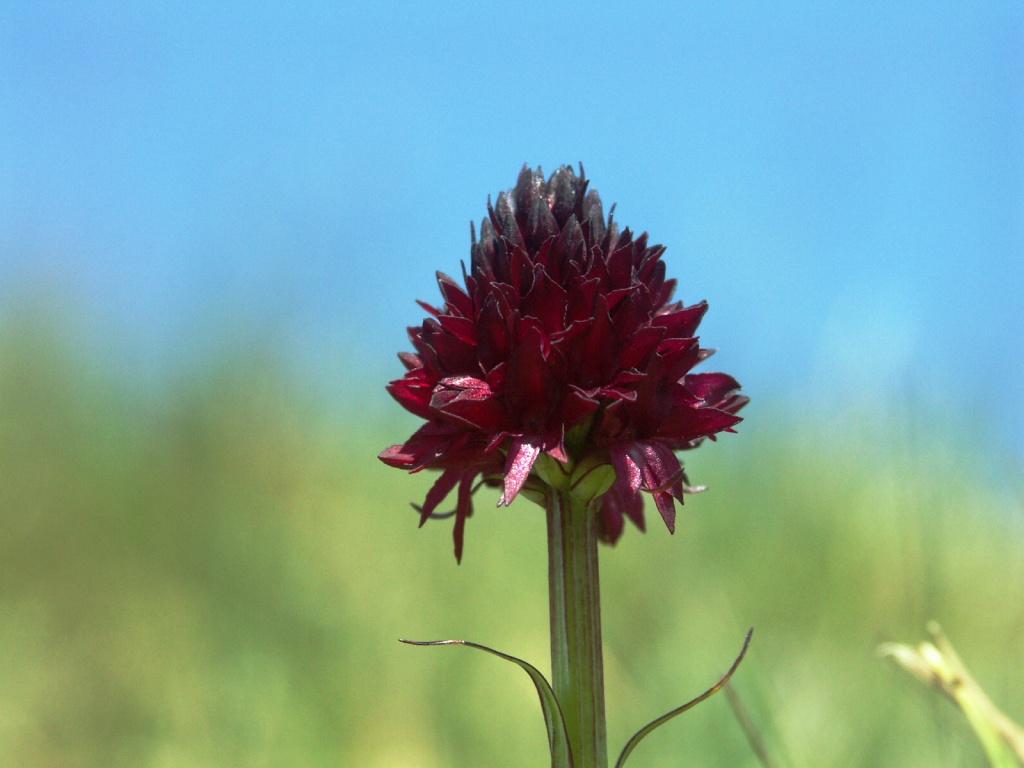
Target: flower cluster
x=562, y=340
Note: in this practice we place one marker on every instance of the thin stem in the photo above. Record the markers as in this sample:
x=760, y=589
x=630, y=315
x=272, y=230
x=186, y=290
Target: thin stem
x=575, y=601
x=754, y=738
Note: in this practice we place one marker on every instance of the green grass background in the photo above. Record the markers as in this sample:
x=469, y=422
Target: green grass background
x=213, y=569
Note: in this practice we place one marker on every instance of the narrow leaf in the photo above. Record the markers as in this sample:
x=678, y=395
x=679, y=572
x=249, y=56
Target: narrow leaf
x=639, y=735
x=558, y=739
x=937, y=665
x=754, y=738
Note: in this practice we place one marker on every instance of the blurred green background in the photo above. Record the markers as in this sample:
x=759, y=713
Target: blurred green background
x=214, y=219
x=214, y=570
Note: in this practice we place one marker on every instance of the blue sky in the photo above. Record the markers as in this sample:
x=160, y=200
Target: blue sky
x=843, y=182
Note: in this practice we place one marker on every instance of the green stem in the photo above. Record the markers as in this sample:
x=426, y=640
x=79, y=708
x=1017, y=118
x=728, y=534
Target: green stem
x=575, y=601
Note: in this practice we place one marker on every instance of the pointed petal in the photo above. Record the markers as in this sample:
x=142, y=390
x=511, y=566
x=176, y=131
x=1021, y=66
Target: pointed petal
x=593, y=214
x=527, y=377
x=462, y=511
x=733, y=403
x=528, y=188
x=641, y=346
x=441, y=488
x=626, y=469
x=581, y=300
x=461, y=328
x=547, y=301
x=563, y=187
x=611, y=521
x=430, y=308
x=556, y=448
x=662, y=476
x=540, y=224
x=620, y=266
x=667, y=507
x=687, y=423
x=634, y=509
x=413, y=392
x=711, y=388
x=594, y=346
x=426, y=446
x=410, y=361
x=396, y=456
x=521, y=456
x=451, y=353
x=678, y=357
x=506, y=219
x=457, y=299
x=470, y=401
x=683, y=323
x=660, y=468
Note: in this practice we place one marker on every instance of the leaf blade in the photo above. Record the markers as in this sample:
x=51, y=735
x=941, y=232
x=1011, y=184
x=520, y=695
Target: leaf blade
x=637, y=737
x=558, y=739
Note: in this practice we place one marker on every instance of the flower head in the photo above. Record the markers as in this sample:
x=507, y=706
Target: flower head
x=562, y=341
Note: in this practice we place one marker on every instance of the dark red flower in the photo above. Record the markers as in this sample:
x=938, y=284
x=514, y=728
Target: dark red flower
x=562, y=340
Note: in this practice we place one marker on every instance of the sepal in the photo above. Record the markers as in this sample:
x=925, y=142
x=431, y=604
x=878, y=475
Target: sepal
x=551, y=471
x=591, y=479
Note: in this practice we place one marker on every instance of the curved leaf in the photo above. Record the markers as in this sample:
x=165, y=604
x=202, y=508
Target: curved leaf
x=558, y=739
x=939, y=666
x=639, y=735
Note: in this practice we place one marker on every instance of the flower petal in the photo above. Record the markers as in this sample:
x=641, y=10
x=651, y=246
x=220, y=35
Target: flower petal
x=667, y=507
x=456, y=299
x=462, y=511
x=441, y=488
x=471, y=401
x=547, y=301
x=627, y=470
x=413, y=392
x=461, y=328
x=521, y=456
x=528, y=374
x=682, y=323
x=641, y=345
x=711, y=388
